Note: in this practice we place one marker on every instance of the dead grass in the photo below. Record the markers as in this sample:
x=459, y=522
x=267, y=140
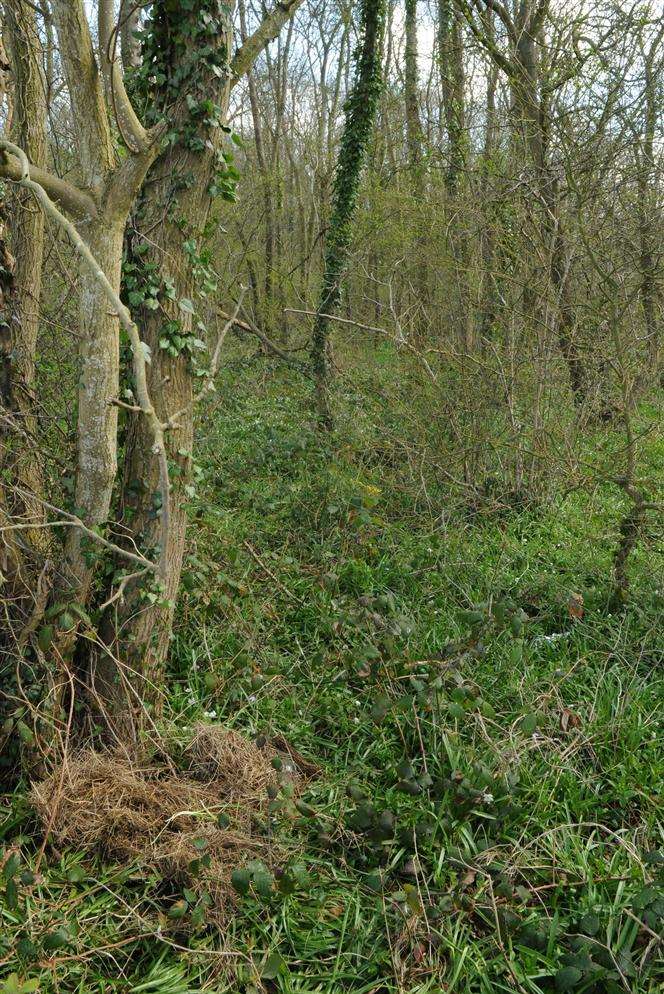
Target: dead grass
x=164, y=816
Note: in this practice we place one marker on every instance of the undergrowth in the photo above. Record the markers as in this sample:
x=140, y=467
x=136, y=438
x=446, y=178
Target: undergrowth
x=483, y=734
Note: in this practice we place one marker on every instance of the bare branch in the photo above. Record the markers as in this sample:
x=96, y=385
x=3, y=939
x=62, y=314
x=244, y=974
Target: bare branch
x=139, y=349
x=266, y=31
x=251, y=328
x=483, y=38
x=97, y=152
x=73, y=521
x=501, y=10
x=76, y=202
x=134, y=134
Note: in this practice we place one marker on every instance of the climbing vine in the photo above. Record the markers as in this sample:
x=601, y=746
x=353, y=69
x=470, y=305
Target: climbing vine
x=360, y=114
x=184, y=65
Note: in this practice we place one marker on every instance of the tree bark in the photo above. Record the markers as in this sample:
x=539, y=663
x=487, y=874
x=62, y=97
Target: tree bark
x=649, y=213
x=452, y=78
x=20, y=456
x=411, y=79
x=182, y=185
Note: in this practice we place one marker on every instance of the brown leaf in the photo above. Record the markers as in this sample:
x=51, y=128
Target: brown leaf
x=568, y=719
x=575, y=605
x=419, y=952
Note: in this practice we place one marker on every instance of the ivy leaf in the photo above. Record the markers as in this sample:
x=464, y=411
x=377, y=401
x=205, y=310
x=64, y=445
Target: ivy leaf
x=590, y=924
x=55, y=940
x=186, y=305
x=273, y=966
x=45, y=637
x=240, y=879
x=567, y=978
x=529, y=723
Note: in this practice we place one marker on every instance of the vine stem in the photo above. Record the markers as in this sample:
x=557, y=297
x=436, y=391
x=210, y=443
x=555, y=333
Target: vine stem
x=139, y=348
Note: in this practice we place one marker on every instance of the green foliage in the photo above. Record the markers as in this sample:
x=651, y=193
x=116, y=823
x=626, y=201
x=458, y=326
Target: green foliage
x=487, y=793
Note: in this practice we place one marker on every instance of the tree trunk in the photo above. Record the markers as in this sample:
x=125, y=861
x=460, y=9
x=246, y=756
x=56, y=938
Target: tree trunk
x=489, y=288
x=649, y=214
x=20, y=456
x=98, y=388
x=360, y=113
x=411, y=79
x=452, y=78
x=414, y=139
x=172, y=212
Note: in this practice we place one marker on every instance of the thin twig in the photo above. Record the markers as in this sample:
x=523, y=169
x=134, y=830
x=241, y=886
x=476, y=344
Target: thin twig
x=138, y=347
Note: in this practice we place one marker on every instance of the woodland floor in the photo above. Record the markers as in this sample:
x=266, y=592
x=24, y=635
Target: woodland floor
x=485, y=809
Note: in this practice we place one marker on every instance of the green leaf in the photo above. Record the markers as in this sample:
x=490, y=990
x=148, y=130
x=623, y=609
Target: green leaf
x=186, y=305
x=568, y=978
x=11, y=866
x=66, y=621
x=374, y=881
x=529, y=723
x=25, y=732
x=241, y=879
x=273, y=966
x=516, y=625
x=11, y=895
x=55, y=940
x=263, y=883
x=178, y=909
x=45, y=637
x=590, y=924
x=472, y=618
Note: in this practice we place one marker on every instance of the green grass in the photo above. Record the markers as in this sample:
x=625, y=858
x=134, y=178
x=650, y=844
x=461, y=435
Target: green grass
x=487, y=814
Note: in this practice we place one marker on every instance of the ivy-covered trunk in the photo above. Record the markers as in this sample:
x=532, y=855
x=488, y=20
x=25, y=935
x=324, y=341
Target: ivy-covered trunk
x=18, y=461
x=185, y=50
x=452, y=77
x=360, y=113
x=21, y=257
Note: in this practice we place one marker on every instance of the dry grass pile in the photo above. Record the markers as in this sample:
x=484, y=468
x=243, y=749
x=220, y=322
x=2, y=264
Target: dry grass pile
x=166, y=818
